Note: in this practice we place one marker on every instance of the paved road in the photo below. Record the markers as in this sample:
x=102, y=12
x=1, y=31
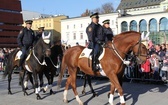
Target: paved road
x=135, y=94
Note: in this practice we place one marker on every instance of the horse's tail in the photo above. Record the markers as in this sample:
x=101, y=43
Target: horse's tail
x=6, y=70
x=63, y=67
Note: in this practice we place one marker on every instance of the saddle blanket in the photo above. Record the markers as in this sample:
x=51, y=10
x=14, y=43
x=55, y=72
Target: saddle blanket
x=18, y=55
x=86, y=54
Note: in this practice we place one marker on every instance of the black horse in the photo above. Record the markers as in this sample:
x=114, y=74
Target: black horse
x=34, y=63
x=53, y=63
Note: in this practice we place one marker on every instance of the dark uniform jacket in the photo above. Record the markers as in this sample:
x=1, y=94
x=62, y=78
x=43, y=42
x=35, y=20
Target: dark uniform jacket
x=108, y=34
x=95, y=33
x=26, y=37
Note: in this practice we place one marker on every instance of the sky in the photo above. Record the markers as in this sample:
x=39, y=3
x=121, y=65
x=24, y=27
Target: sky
x=71, y=8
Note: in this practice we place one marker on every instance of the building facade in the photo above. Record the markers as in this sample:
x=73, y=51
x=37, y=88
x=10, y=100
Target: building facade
x=137, y=15
x=10, y=22
x=73, y=30
x=51, y=23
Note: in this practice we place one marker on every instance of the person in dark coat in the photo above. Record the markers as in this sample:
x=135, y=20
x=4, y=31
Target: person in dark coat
x=96, y=39
x=25, y=41
x=107, y=30
x=39, y=34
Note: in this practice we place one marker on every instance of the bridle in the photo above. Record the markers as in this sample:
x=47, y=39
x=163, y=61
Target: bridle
x=136, y=55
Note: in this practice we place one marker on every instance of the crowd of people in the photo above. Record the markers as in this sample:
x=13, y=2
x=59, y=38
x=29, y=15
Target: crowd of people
x=156, y=65
x=3, y=56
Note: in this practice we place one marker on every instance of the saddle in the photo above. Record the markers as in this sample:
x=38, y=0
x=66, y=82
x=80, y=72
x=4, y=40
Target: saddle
x=86, y=53
x=19, y=53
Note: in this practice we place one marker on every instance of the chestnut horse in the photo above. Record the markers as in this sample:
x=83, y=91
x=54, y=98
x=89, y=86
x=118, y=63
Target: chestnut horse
x=112, y=63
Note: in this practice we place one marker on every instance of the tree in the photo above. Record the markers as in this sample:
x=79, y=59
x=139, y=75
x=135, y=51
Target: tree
x=107, y=8
x=86, y=13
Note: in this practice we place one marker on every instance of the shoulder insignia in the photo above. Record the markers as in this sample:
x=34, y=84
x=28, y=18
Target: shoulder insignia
x=21, y=32
x=90, y=29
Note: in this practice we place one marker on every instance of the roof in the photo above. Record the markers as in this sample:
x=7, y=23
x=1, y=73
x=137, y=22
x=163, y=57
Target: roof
x=127, y=4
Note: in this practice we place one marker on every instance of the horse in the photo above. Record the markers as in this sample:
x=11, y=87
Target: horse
x=34, y=62
x=112, y=63
x=49, y=70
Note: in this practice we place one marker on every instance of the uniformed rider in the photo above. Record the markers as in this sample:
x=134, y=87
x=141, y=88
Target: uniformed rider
x=96, y=39
x=25, y=41
x=107, y=30
x=39, y=34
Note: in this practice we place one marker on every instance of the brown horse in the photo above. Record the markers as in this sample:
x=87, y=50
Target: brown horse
x=112, y=63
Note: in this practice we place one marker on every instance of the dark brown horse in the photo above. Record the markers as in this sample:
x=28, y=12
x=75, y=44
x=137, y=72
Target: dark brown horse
x=112, y=63
x=33, y=64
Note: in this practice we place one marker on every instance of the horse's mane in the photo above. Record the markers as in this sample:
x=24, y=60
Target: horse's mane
x=125, y=34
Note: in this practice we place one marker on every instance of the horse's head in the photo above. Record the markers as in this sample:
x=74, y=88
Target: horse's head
x=47, y=43
x=140, y=52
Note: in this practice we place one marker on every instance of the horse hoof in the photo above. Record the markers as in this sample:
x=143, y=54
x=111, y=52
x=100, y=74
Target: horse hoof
x=38, y=97
x=26, y=88
x=9, y=92
x=123, y=104
x=51, y=92
x=66, y=101
x=95, y=95
x=83, y=92
x=44, y=91
x=25, y=93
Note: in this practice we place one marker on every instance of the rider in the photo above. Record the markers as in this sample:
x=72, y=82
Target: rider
x=25, y=41
x=96, y=39
x=39, y=34
x=107, y=30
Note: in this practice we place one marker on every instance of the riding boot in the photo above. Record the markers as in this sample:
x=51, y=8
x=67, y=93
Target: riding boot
x=95, y=66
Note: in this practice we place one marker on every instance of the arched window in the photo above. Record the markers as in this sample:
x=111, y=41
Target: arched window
x=163, y=24
x=124, y=26
x=133, y=25
x=153, y=25
x=143, y=26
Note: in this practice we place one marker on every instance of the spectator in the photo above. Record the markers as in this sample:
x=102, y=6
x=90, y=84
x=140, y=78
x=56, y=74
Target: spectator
x=154, y=60
x=164, y=69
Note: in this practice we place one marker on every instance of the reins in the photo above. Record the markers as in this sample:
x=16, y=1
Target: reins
x=43, y=63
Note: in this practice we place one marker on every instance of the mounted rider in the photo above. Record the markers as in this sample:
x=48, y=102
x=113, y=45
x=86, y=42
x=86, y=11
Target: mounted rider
x=25, y=41
x=107, y=30
x=96, y=38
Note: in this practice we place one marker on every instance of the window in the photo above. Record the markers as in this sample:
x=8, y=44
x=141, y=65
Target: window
x=124, y=26
x=74, y=36
x=81, y=35
x=143, y=26
x=67, y=26
x=81, y=25
x=112, y=22
x=153, y=25
x=74, y=26
x=163, y=24
x=133, y=26
x=49, y=24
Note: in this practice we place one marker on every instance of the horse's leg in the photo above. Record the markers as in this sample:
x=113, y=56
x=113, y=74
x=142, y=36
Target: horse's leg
x=36, y=85
x=50, y=81
x=115, y=84
x=90, y=85
x=9, y=81
x=22, y=75
x=66, y=89
x=73, y=85
x=111, y=94
x=84, y=84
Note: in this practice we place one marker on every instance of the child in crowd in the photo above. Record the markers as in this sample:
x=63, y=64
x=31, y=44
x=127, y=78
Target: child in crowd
x=164, y=69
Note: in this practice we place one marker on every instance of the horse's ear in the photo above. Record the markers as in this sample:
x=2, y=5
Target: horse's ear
x=46, y=38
